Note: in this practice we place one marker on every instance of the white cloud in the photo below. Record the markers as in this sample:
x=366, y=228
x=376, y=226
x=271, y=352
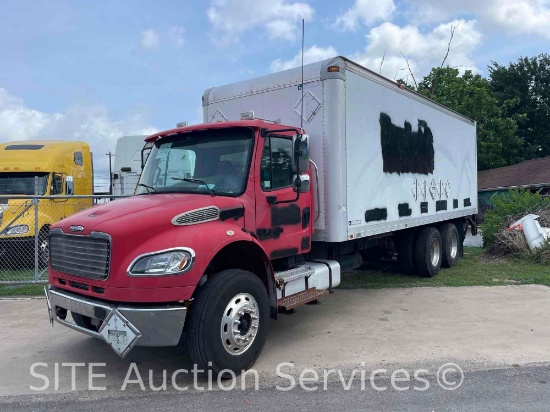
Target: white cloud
x=149, y=39
x=514, y=16
x=522, y=16
x=311, y=55
x=18, y=121
x=176, y=36
x=279, y=18
x=366, y=12
x=91, y=124
x=424, y=50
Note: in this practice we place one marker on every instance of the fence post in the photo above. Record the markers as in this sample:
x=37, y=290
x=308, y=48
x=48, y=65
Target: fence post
x=35, y=201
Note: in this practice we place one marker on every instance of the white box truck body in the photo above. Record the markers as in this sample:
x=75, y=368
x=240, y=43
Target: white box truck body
x=388, y=158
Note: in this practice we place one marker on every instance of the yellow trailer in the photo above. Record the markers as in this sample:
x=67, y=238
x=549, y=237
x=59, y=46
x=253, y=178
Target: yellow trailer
x=47, y=168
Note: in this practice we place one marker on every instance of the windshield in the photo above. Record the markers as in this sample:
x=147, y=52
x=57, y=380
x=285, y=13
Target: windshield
x=219, y=159
x=22, y=183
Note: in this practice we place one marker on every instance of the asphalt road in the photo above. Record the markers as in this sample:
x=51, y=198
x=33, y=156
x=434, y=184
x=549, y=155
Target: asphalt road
x=512, y=389
x=499, y=337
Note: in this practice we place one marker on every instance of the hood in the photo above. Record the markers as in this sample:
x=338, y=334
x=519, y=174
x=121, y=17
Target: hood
x=10, y=208
x=123, y=216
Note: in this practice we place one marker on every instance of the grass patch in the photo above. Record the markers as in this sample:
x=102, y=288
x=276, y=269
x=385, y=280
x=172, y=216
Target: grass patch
x=475, y=269
x=21, y=290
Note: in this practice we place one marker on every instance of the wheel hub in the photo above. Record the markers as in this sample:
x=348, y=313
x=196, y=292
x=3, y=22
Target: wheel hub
x=454, y=245
x=435, y=252
x=240, y=323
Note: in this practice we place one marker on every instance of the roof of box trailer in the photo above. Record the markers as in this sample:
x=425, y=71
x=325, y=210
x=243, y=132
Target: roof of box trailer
x=312, y=72
x=285, y=78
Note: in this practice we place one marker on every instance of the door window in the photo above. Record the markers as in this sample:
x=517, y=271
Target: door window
x=276, y=167
x=57, y=185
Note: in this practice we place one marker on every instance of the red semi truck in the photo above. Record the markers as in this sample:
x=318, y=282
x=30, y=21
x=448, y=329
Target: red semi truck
x=234, y=221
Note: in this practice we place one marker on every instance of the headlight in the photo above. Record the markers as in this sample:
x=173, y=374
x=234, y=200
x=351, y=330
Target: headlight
x=163, y=263
x=18, y=230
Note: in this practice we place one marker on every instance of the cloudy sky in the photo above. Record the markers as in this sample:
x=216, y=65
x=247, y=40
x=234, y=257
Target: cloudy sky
x=95, y=71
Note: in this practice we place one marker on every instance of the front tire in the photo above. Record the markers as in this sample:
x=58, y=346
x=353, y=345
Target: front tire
x=428, y=252
x=83, y=321
x=228, y=322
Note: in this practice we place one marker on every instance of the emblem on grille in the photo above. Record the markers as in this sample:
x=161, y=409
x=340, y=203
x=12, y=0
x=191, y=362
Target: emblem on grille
x=76, y=228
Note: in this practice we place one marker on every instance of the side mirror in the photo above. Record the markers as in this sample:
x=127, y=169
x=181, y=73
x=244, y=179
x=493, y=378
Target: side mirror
x=69, y=185
x=300, y=149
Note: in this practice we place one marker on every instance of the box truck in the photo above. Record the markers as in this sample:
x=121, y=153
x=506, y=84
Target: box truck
x=268, y=216
x=46, y=168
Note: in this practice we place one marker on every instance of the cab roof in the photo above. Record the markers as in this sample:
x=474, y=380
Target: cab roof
x=34, y=154
x=255, y=124
x=34, y=145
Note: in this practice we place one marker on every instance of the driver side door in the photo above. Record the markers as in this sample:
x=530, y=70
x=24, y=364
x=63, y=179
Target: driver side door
x=284, y=229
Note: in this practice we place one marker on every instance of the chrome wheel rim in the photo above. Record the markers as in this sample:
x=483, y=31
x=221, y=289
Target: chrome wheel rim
x=435, y=252
x=454, y=245
x=240, y=323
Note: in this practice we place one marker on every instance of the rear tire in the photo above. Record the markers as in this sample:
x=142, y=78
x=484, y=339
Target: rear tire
x=428, y=252
x=228, y=322
x=449, y=240
x=405, y=252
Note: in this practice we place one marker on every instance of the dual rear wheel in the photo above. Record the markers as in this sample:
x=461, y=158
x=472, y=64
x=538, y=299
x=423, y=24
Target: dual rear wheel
x=426, y=250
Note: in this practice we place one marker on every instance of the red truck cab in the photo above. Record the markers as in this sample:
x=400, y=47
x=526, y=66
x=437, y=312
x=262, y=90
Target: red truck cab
x=216, y=205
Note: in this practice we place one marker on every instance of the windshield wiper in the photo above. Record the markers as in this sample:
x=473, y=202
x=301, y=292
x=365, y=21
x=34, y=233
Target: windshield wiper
x=197, y=181
x=149, y=188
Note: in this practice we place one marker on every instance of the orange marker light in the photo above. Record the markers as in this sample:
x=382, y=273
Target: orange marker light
x=333, y=69
x=183, y=263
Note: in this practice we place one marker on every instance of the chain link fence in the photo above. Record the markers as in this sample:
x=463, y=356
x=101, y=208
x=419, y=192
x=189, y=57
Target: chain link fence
x=24, y=227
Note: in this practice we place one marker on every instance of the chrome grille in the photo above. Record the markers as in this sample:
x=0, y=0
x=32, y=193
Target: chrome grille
x=205, y=214
x=84, y=256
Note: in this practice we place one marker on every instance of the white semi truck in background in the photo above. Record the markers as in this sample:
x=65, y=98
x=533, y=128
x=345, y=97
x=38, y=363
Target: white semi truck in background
x=130, y=154
x=127, y=167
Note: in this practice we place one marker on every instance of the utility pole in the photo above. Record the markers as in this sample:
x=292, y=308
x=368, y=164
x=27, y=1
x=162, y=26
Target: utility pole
x=110, y=172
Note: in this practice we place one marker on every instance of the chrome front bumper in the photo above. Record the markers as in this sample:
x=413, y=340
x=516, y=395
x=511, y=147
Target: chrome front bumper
x=123, y=326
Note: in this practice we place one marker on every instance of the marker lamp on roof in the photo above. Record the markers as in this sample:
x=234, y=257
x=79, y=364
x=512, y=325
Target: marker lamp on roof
x=248, y=115
x=331, y=69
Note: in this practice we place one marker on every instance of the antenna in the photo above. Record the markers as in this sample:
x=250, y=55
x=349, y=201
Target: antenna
x=302, y=108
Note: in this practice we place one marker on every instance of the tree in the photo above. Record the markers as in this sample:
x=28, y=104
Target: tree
x=470, y=95
x=523, y=90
